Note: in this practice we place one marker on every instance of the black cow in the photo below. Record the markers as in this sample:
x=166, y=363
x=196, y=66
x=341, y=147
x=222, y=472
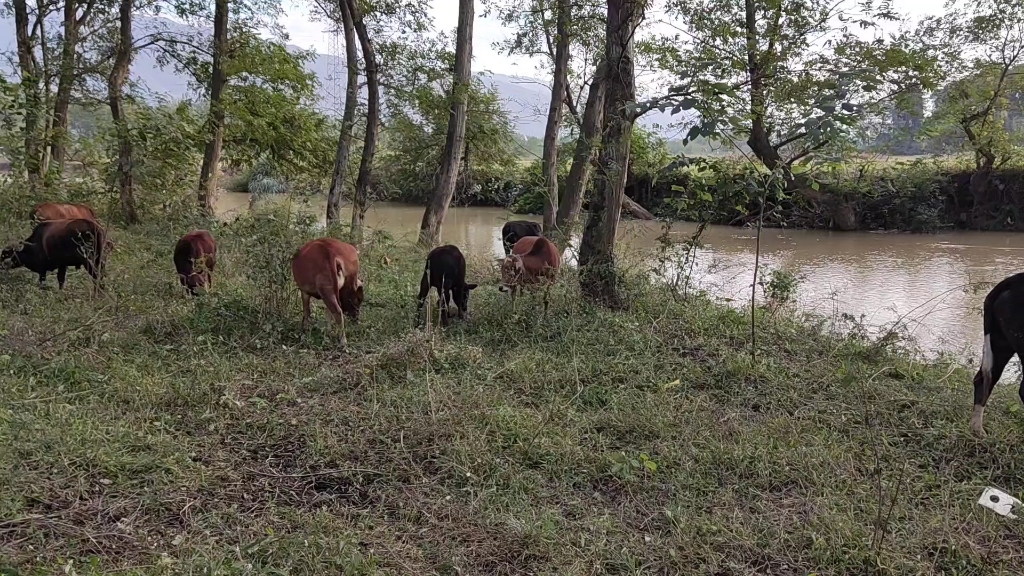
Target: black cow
x=1003, y=321
x=513, y=230
x=446, y=271
x=59, y=245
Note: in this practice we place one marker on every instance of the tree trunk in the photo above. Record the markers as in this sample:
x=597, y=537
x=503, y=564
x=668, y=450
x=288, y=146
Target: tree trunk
x=348, y=118
x=115, y=85
x=29, y=69
x=586, y=147
x=215, y=123
x=454, y=145
x=68, y=57
x=759, y=140
x=359, y=197
x=597, y=250
x=549, y=158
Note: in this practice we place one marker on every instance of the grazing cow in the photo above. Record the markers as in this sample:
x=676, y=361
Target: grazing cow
x=534, y=259
x=1003, y=322
x=328, y=270
x=446, y=271
x=59, y=245
x=513, y=230
x=195, y=255
x=60, y=211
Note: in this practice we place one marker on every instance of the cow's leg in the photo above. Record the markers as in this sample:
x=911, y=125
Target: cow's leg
x=421, y=298
x=446, y=307
x=996, y=355
x=330, y=298
x=305, y=312
x=62, y=275
x=42, y=280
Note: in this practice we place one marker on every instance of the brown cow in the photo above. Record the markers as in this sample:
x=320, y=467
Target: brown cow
x=328, y=270
x=61, y=211
x=195, y=255
x=59, y=245
x=534, y=259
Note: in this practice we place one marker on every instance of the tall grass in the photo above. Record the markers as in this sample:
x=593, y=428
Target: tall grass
x=146, y=432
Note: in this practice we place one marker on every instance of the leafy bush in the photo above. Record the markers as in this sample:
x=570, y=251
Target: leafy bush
x=267, y=238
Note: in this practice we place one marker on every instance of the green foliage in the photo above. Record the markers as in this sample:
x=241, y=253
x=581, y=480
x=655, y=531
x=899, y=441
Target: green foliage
x=168, y=141
x=815, y=81
x=267, y=238
x=414, y=140
x=269, y=113
x=985, y=83
x=779, y=288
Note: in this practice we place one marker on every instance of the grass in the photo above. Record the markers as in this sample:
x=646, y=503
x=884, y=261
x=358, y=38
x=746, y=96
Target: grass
x=148, y=433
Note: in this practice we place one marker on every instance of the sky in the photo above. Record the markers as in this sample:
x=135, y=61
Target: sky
x=303, y=31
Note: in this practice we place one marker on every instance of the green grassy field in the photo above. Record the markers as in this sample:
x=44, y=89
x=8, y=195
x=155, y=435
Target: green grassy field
x=143, y=432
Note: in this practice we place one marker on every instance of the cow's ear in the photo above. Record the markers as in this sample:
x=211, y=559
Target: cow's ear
x=470, y=286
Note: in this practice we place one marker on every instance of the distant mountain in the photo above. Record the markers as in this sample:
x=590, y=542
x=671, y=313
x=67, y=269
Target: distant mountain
x=525, y=99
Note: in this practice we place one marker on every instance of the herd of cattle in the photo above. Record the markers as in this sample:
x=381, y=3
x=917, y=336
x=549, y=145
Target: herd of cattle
x=70, y=236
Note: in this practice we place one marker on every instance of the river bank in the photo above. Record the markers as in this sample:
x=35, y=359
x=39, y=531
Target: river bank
x=928, y=286
x=905, y=195
x=150, y=433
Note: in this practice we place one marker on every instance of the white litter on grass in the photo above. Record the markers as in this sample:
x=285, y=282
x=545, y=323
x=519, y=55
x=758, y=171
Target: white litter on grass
x=999, y=502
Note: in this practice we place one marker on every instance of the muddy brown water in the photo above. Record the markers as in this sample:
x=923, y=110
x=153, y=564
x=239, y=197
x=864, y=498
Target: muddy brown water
x=925, y=282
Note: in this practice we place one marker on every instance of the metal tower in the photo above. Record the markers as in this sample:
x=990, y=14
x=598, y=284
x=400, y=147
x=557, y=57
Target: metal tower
x=336, y=71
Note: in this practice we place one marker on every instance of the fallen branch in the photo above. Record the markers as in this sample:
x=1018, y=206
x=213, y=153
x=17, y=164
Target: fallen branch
x=638, y=211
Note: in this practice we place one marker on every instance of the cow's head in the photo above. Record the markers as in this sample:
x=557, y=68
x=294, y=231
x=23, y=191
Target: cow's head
x=462, y=298
x=9, y=257
x=352, y=300
x=512, y=270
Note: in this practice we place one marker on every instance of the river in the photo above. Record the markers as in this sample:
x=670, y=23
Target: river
x=925, y=281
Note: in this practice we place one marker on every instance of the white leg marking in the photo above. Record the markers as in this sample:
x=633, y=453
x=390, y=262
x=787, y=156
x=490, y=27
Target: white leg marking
x=987, y=358
x=977, y=425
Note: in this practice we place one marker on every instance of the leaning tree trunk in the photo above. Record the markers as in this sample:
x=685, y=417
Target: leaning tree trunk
x=29, y=69
x=597, y=259
x=549, y=158
x=115, y=88
x=586, y=146
x=62, y=102
x=361, y=194
x=348, y=118
x=454, y=145
x=215, y=124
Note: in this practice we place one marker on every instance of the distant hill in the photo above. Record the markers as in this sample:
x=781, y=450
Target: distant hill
x=525, y=99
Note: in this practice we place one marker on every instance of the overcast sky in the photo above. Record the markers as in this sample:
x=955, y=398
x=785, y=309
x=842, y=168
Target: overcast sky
x=304, y=32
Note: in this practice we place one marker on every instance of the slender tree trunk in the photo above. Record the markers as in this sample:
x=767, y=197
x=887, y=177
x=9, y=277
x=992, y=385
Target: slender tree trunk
x=47, y=105
x=29, y=69
x=549, y=158
x=597, y=250
x=348, y=118
x=115, y=88
x=586, y=147
x=361, y=194
x=215, y=124
x=68, y=57
x=454, y=145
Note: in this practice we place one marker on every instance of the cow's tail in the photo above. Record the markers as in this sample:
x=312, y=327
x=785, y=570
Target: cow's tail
x=340, y=269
